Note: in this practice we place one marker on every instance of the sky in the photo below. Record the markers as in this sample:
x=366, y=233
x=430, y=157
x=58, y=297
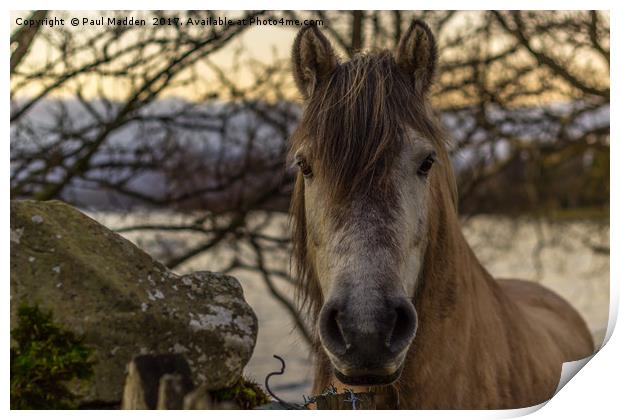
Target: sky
x=262, y=43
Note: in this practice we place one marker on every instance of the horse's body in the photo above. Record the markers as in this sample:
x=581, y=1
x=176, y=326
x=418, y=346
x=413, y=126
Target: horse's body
x=397, y=295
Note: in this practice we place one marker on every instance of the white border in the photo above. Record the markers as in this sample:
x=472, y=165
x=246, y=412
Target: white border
x=312, y=5
x=592, y=394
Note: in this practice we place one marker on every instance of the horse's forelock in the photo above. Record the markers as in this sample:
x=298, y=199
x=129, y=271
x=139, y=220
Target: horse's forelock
x=309, y=294
x=354, y=125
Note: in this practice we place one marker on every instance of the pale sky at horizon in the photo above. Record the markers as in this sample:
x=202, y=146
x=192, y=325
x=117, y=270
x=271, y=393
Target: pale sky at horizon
x=261, y=43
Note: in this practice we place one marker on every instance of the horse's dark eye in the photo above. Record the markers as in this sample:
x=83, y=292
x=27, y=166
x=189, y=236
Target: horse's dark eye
x=426, y=165
x=305, y=169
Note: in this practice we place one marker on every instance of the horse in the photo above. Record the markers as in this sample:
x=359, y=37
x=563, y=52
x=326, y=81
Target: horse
x=396, y=298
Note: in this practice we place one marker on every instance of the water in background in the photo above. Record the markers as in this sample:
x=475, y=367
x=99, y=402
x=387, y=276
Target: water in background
x=570, y=258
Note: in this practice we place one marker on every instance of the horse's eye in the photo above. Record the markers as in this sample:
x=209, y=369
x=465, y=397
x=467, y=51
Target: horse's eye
x=305, y=169
x=426, y=165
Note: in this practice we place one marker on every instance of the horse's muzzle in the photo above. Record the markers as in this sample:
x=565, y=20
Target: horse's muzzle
x=367, y=344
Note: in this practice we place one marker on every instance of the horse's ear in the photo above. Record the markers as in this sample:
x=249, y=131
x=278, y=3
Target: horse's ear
x=416, y=55
x=313, y=59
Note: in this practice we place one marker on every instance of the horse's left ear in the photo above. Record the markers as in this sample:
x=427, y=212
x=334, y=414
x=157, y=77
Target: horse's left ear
x=416, y=55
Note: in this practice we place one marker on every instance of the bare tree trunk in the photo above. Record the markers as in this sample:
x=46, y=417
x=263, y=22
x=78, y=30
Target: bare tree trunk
x=357, y=31
x=398, y=22
x=24, y=36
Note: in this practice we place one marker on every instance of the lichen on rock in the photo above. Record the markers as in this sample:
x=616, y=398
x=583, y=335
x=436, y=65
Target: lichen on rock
x=123, y=302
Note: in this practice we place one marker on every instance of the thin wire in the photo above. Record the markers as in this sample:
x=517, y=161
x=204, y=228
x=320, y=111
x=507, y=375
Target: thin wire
x=275, y=397
x=352, y=399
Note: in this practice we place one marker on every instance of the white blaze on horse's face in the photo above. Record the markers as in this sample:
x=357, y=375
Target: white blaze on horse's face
x=339, y=249
x=368, y=257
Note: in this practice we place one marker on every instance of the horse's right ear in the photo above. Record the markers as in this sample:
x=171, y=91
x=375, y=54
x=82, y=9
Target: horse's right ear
x=417, y=55
x=313, y=60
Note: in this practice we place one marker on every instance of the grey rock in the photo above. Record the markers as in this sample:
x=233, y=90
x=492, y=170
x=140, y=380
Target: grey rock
x=101, y=285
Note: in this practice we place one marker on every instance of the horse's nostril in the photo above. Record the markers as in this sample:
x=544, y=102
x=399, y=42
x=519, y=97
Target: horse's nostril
x=331, y=330
x=405, y=325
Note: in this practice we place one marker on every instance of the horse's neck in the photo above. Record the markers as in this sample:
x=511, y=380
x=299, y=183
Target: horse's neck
x=470, y=334
x=462, y=313
x=454, y=285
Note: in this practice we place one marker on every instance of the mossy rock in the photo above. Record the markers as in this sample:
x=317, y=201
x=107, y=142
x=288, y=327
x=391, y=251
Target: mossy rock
x=44, y=360
x=245, y=393
x=123, y=302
